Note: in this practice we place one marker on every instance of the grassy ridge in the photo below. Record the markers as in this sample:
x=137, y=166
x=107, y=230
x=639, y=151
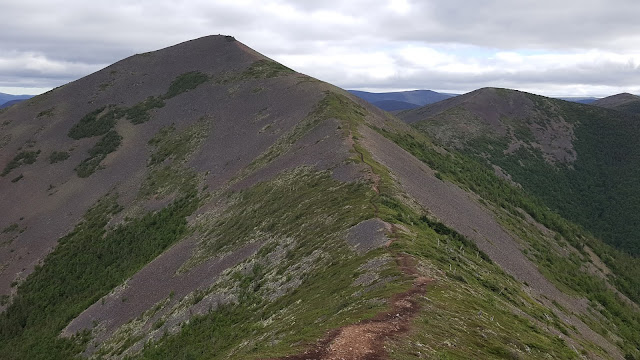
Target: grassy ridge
x=312, y=211
x=567, y=272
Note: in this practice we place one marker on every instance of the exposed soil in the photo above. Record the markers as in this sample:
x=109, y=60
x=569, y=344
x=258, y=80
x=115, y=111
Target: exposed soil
x=365, y=340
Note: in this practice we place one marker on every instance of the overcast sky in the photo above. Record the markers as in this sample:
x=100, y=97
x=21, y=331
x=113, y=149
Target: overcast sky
x=549, y=47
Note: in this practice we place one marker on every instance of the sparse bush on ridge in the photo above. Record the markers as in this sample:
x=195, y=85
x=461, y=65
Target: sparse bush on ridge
x=22, y=158
x=95, y=123
x=47, y=113
x=58, y=156
x=185, y=82
x=139, y=113
x=107, y=144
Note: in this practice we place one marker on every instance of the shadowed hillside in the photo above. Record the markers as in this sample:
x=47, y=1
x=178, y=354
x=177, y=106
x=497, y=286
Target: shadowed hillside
x=205, y=202
x=622, y=102
x=580, y=159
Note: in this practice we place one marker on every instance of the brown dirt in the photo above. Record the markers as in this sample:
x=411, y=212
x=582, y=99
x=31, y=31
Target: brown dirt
x=365, y=340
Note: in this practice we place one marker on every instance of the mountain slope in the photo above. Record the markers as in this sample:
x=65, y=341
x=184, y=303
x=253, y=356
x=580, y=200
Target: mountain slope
x=623, y=102
x=579, y=159
x=203, y=201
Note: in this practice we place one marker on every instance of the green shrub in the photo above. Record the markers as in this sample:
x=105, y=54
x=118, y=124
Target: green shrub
x=22, y=158
x=47, y=113
x=139, y=113
x=185, y=82
x=58, y=156
x=97, y=122
x=107, y=144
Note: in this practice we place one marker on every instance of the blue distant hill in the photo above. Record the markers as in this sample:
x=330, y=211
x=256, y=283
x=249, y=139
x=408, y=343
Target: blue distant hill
x=401, y=100
x=394, y=105
x=581, y=100
x=8, y=99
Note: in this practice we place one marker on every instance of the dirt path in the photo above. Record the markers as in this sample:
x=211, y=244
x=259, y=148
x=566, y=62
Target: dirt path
x=365, y=340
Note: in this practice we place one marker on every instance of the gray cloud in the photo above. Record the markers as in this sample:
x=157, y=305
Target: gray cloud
x=352, y=44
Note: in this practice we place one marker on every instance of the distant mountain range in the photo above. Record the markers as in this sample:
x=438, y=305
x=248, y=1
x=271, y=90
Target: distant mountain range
x=8, y=99
x=401, y=100
x=580, y=100
x=405, y=100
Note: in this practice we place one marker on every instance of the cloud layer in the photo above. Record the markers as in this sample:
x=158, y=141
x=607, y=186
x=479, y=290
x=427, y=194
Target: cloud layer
x=548, y=47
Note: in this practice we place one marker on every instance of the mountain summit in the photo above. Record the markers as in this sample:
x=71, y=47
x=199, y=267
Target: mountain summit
x=204, y=201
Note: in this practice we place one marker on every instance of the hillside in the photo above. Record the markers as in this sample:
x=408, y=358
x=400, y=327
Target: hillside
x=581, y=160
x=622, y=102
x=205, y=202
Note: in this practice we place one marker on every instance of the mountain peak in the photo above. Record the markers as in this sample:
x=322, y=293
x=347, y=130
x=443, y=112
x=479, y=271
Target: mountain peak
x=498, y=113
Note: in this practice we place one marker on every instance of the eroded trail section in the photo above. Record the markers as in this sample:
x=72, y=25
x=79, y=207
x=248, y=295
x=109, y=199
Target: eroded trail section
x=365, y=340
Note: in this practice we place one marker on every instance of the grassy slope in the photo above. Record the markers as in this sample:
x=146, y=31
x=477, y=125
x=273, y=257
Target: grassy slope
x=567, y=272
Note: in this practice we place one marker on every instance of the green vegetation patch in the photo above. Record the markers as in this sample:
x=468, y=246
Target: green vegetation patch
x=260, y=69
x=97, y=122
x=11, y=228
x=17, y=178
x=265, y=69
x=185, y=82
x=166, y=180
x=106, y=145
x=22, y=158
x=168, y=174
x=87, y=263
x=139, y=113
x=300, y=201
x=46, y=113
x=171, y=144
x=58, y=156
